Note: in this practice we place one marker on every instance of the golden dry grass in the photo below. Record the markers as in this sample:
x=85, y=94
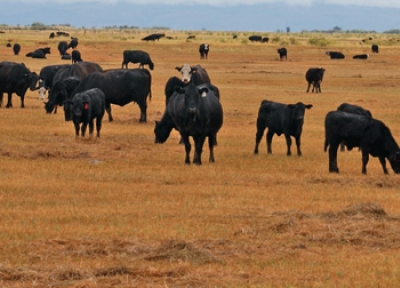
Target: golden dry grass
x=122, y=211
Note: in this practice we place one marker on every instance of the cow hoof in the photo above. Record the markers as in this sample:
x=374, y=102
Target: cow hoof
x=334, y=170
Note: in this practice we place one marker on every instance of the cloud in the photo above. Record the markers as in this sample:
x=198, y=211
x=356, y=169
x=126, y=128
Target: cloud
x=381, y=3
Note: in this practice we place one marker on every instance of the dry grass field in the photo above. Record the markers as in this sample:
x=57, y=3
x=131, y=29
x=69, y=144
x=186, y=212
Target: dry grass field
x=121, y=211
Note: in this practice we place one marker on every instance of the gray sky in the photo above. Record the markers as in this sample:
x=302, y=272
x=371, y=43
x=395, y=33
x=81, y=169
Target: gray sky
x=365, y=3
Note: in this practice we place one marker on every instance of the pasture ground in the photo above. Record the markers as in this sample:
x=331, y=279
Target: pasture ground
x=122, y=211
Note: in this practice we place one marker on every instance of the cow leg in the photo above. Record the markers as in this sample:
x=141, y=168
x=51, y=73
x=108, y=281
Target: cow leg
x=298, y=143
x=259, y=135
x=341, y=146
x=83, y=128
x=308, y=87
x=188, y=147
x=143, y=108
x=365, y=159
x=9, y=103
x=108, y=110
x=333, y=157
x=383, y=163
x=99, y=121
x=22, y=101
x=91, y=128
x=269, y=136
x=289, y=143
x=212, y=140
x=76, y=125
x=198, y=144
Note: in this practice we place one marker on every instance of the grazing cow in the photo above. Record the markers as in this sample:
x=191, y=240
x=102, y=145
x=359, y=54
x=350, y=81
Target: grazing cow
x=61, y=33
x=76, y=56
x=46, y=76
x=120, y=87
x=314, y=76
x=16, y=78
x=52, y=35
x=255, y=38
x=354, y=109
x=193, y=74
x=282, y=53
x=234, y=36
x=83, y=108
x=361, y=56
x=16, y=48
x=153, y=37
x=62, y=91
x=371, y=135
x=39, y=53
x=62, y=47
x=74, y=43
x=137, y=56
x=204, y=48
x=193, y=111
x=8, y=45
x=374, y=48
x=265, y=40
x=335, y=55
x=79, y=71
x=287, y=119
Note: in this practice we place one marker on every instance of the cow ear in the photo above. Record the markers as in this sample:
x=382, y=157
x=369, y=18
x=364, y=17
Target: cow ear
x=308, y=106
x=194, y=69
x=203, y=91
x=178, y=68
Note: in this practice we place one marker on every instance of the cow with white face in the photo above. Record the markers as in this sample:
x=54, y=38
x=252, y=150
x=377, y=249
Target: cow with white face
x=42, y=91
x=193, y=74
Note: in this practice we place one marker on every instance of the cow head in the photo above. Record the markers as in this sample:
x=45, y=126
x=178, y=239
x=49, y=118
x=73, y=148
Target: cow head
x=151, y=66
x=186, y=71
x=161, y=133
x=299, y=110
x=33, y=79
x=192, y=99
x=80, y=105
x=395, y=162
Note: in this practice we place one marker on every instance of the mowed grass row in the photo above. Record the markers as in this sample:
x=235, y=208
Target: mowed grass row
x=260, y=215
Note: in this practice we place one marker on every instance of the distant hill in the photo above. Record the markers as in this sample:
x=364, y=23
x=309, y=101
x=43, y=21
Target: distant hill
x=262, y=17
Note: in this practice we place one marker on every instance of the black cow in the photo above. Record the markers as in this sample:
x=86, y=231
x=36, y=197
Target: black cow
x=335, y=55
x=287, y=119
x=193, y=74
x=16, y=48
x=282, y=53
x=193, y=111
x=76, y=56
x=371, y=135
x=62, y=91
x=83, y=108
x=8, y=45
x=120, y=87
x=66, y=56
x=52, y=35
x=62, y=47
x=203, y=49
x=137, y=56
x=153, y=37
x=46, y=76
x=314, y=76
x=61, y=33
x=74, y=43
x=374, y=48
x=354, y=109
x=39, y=53
x=80, y=71
x=16, y=78
x=361, y=56
x=255, y=38
x=265, y=40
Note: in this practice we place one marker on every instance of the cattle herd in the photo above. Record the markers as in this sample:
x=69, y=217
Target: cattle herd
x=192, y=103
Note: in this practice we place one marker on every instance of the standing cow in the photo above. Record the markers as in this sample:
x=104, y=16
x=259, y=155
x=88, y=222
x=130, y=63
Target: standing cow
x=314, y=76
x=83, y=108
x=371, y=135
x=287, y=119
x=62, y=47
x=16, y=48
x=282, y=53
x=137, y=56
x=204, y=49
x=76, y=56
x=16, y=78
x=193, y=111
x=374, y=48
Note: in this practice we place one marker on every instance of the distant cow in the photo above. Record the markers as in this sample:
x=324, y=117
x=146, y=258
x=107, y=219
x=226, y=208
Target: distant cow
x=52, y=35
x=265, y=40
x=194, y=112
x=191, y=37
x=73, y=44
x=83, y=108
x=255, y=38
x=193, y=74
x=203, y=49
x=354, y=109
x=137, y=56
x=335, y=55
x=371, y=135
x=153, y=37
x=120, y=87
x=282, y=53
x=39, y=53
x=61, y=33
x=76, y=56
x=62, y=47
x=8, y=45
x=16, y=78
x=314, y=76
x=361, y=56
x=287, y=119
x=374, y=48
x=66, y=56
x=16, y=48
